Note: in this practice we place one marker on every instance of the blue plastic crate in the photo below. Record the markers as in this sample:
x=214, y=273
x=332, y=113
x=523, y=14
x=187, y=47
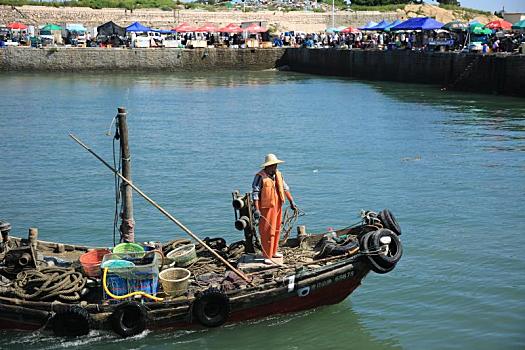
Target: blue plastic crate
x=143, y=278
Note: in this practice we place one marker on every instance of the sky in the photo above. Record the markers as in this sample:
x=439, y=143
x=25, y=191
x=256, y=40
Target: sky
x=495, y=5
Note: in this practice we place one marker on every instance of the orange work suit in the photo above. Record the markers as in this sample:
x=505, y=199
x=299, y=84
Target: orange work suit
x=271, y=202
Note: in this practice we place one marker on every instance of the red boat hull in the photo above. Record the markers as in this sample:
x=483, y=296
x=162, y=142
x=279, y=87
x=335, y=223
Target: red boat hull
x=332, y=294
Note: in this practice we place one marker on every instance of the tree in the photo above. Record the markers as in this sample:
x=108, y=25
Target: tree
x=449, y=2
x=379, y=2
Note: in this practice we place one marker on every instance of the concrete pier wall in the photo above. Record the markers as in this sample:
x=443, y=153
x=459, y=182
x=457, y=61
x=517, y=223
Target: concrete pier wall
x=121, y=60
x=502, y=74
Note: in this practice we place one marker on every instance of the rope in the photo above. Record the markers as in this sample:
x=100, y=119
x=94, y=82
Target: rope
x=49, y=283
x=289, y=219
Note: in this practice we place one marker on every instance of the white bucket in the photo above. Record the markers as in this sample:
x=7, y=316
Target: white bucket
x=175, y=281
x=183, y=256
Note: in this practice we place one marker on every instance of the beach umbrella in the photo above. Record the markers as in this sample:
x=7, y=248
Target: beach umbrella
x=380, y=26
x=16, y=26
x=474, y=24
x=499, y=24
x=184, y=28
x=51, y=27
x=456, y=26
x=519, y=24
x=331, y=30
x=418, y=23
x=368, y=25
x=162, y=31
x=255, y=28
x=350, y=30
x=207, y=28
x=110, y=28
x=137, y=27
x=393, y=24
x=76, y=27
x=230, y=28
x=481, y=31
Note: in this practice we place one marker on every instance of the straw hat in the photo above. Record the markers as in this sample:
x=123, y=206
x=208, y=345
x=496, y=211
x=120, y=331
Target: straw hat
x=271, y=159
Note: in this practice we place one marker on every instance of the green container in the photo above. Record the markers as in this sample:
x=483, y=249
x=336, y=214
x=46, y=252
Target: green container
x=128, y=248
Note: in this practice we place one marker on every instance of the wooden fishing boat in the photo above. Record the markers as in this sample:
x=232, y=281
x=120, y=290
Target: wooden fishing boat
x=52, y=287
x=302, y=282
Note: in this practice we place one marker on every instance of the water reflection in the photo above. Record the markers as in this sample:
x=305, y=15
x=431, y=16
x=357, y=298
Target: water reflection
x=499, y=121
x=182, y=80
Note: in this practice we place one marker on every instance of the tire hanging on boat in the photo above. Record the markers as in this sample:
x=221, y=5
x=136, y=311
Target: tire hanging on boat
x=379, y=262
x=129, y=319
x=395, y=249
x=389, y=221
x=211, y=308
x=71, y=321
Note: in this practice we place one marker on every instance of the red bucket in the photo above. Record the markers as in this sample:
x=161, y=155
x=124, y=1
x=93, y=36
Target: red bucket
x=91, y=261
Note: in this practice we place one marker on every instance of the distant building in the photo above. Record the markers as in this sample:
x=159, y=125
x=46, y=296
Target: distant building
x=513, y=17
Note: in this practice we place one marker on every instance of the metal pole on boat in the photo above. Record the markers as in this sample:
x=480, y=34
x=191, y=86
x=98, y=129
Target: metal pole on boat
x=163, y=211
x=127, y=226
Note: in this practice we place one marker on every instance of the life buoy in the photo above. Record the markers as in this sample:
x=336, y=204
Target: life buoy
x=71, y=321
x=379, y=262
x=389, y=221
x=211, y=308
x=129, y=319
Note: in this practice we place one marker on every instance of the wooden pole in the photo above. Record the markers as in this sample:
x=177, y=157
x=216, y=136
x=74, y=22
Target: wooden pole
x=127, y=226
x=163, y=211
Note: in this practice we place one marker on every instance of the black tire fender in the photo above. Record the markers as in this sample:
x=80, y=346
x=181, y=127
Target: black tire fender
x=372, y=260
x=389, y=221
x=211, y=308
x=395, y=248
x=71, y=321
x=129, y=319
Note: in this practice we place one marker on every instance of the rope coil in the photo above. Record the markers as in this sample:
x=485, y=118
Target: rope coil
x=49, y=283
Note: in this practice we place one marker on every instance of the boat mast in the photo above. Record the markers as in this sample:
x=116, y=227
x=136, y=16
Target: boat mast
x=127, y=226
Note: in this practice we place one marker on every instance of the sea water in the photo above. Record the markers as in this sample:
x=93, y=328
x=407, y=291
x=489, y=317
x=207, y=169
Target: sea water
x=449, y=165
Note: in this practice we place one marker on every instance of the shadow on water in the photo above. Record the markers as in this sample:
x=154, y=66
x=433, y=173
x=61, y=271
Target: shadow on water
x=151, y=81
x=499, y=119
x=333, y=327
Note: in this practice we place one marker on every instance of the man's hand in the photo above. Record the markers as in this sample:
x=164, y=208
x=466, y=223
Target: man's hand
x=293, y=206
x=257, y=214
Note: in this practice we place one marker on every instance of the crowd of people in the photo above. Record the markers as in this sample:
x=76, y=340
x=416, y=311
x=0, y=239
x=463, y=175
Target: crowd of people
x=423, y=40
x=420, y=40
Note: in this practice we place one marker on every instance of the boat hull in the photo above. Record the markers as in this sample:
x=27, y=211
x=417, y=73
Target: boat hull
x=330, y=287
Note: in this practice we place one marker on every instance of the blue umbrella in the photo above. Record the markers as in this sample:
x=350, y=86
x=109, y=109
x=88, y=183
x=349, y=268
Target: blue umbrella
x=418, y=23
x=380, y=26
x=137, y=27
x=76, y=27
x=163, y=31
x=368, y=25
x=393, y=24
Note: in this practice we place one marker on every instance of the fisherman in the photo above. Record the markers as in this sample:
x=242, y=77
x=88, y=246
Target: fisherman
x=269, y=191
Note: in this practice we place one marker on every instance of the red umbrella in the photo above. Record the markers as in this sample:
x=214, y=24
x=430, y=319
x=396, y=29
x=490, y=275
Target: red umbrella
x=207, y=28
x=183, y=28
x=255, y=28
x=351, y=30
x=499, y=24
x=16, y=25
x=231, y=28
